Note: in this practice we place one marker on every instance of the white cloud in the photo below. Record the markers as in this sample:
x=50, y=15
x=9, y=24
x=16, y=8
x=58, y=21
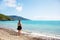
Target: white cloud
x=19, y=8
x=46, y=18
x=10, y=3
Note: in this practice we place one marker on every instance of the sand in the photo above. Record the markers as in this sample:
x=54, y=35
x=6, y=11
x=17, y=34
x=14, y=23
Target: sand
x=10, y=34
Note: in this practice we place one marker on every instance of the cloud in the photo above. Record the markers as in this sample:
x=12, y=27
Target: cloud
x=46, y=18
x=19, y=8
x=10, y=3
x=13, y=4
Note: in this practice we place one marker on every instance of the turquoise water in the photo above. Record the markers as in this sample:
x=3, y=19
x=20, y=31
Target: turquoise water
x=52, y=27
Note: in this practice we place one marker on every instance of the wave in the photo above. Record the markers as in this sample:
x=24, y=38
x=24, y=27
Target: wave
x=39, y=35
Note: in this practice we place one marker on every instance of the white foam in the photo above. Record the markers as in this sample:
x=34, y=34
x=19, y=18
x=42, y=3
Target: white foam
x=40, y=35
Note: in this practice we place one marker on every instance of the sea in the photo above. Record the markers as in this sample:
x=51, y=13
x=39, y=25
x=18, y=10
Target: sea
x=47, y=27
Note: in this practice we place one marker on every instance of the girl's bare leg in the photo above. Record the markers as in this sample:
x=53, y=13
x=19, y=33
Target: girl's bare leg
x=19, y=32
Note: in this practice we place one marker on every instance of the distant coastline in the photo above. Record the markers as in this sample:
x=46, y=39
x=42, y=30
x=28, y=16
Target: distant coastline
x=11, y=18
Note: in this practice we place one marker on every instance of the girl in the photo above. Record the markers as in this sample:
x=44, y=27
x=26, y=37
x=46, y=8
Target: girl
x=19, y=28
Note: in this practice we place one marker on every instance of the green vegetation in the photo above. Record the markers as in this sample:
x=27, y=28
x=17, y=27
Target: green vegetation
x=4, y=17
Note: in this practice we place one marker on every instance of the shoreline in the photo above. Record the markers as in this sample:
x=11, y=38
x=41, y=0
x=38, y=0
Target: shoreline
x=37, y=35
x=32, y=35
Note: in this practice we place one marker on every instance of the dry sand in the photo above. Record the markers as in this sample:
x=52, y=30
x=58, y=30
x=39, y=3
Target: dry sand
x=9, y=34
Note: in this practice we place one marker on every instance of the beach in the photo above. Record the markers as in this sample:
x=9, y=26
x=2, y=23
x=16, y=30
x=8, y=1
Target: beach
x=10, y=34
x=32, y=19
x=31, y=30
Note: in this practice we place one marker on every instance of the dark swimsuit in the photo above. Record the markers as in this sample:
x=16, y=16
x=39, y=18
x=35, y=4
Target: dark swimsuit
x=19, y=28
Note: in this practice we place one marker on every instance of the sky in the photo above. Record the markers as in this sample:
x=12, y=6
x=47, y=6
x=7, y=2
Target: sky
x=32, y=9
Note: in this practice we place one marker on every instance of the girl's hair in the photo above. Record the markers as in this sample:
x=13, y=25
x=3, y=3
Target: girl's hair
x=19, y=22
